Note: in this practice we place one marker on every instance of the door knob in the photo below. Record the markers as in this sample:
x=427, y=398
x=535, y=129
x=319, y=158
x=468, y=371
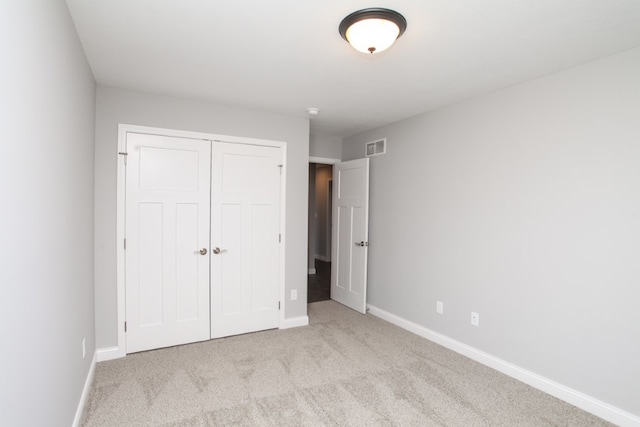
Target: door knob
x=217, y=250
x=362, y=244
x=203, y=251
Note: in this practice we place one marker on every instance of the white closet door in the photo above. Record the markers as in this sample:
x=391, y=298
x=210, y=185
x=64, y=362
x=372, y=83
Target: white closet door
x=245, y=212
x=167, y=241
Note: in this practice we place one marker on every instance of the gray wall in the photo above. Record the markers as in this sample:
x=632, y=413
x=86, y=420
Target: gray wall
x=324, y=173
x=47, y=107
x=522, y=205
x=326, y=147
x=116, y=106
x=311, y=229
x=319, y=242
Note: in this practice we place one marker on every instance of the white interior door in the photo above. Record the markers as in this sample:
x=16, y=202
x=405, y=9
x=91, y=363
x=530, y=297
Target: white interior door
x=350, y=241
x=167, y=226
x=245, y=227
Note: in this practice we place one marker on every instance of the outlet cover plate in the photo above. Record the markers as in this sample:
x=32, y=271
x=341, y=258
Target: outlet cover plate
x=475, y=319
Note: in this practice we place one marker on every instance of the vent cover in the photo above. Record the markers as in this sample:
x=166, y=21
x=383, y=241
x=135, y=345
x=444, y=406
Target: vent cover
x=375, y=148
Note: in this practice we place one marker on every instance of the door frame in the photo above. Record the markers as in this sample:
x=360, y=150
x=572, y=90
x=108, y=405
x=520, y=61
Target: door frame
x=123, y=129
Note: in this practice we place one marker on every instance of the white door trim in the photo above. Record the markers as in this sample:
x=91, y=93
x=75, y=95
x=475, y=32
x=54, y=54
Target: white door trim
x=123, y=129
x=323, y=160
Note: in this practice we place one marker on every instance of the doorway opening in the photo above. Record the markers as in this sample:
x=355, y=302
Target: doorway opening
x=320, y=231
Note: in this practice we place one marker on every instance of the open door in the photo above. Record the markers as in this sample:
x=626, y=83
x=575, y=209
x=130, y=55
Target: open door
x=350, y=238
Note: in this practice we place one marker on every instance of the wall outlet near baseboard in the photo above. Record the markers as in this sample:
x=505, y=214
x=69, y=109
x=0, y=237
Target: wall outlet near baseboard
x=439, y=307
x=294, y=294
x=475, y=319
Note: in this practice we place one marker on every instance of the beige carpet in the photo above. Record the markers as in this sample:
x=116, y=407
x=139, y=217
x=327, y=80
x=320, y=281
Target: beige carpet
x=343, y=369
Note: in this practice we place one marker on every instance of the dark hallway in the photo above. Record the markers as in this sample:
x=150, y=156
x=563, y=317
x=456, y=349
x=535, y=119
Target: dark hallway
x=319, y=284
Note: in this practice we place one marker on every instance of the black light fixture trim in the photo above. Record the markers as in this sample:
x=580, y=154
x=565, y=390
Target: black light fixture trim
x=372, y=13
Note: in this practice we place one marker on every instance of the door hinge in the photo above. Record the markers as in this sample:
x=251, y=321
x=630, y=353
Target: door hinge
x=125, y=326
x=278, y=305
x=125, y=157
x=125, y=244
x=280, y=166
x=279, y=238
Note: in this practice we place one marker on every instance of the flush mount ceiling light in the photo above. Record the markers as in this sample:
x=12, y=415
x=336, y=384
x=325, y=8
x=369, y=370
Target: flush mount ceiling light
x=372, y=30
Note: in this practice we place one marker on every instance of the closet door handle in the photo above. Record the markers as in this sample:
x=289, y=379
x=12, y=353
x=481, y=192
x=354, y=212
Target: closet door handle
x=203, y=251
x=217, y=250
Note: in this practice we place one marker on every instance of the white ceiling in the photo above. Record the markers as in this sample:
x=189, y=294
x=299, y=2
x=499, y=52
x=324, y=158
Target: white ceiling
x=286, y=55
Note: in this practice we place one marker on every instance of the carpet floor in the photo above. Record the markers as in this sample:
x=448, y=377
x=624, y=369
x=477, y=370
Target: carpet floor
x=344, y=369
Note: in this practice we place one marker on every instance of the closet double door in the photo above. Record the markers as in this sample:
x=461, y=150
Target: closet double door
x=202, y=226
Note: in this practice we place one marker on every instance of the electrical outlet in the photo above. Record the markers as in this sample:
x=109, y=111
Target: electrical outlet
x=84, y=348
x=294, y=294
x=439, y=307
x=475, y=319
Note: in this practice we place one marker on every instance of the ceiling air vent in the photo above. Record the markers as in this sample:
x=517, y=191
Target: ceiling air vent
x=375, y=148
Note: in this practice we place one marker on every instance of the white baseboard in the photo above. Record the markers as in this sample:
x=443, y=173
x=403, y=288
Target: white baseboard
x=574, y=397
x=312, y=271
x=109, y=353
x=294, y=322
x=85, y=391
